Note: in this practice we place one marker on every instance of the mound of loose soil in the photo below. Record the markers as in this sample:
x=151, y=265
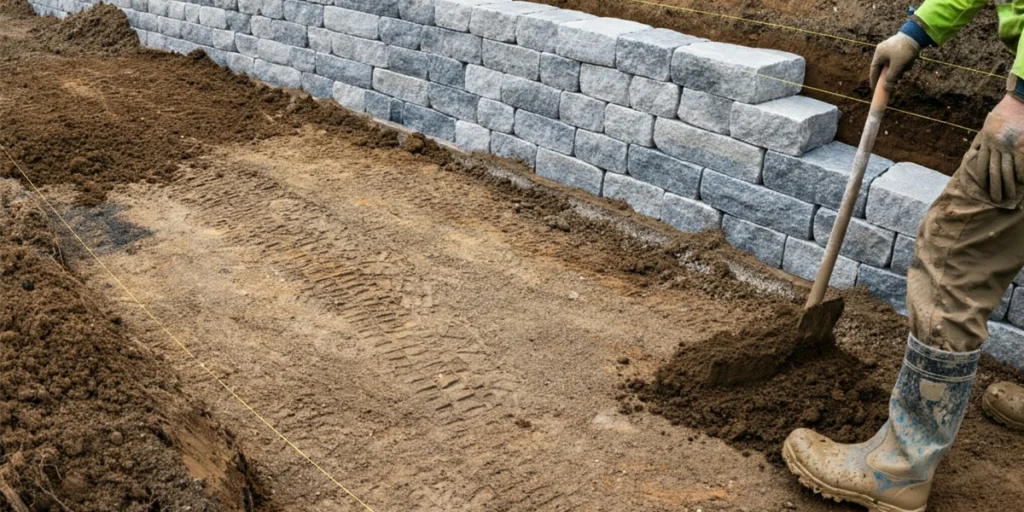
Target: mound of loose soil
x=103, y=29
x=88, y=418
x=65, y=123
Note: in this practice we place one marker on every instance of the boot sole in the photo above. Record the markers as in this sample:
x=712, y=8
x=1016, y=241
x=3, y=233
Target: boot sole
x=998, y=417
x=826, y=491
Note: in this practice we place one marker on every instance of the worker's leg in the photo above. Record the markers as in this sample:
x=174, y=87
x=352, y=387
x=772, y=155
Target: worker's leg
x=968, y=252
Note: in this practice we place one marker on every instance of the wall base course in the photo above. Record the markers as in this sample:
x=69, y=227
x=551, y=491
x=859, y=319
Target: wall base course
x=765, y=244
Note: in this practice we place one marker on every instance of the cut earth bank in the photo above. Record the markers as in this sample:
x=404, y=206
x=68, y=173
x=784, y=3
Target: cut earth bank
x=436, y=337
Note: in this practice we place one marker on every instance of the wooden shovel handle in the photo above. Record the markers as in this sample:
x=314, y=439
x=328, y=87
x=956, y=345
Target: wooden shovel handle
x=860, y=164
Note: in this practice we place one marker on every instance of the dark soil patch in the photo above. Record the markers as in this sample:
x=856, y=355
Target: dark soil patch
x=102, y=30
x=89, y=419
x=945, y=93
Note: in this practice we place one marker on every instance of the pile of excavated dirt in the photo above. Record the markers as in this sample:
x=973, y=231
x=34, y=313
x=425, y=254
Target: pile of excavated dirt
x=89, y=418
x=104, y=29
x=942, y=92
x=64, y=129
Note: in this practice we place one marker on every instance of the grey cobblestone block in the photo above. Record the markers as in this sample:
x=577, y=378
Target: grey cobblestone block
x=644, y=198
x=559, y=72
x=654, y=167
x=454, y=45
x=373, y=53
x=213, y=17
x=594, y=41
x=401, y=33
x=383, y=107
x=238, y=22
x=484, y=82
x=821, y=175
x=248, y=6
x=582, y=111
x=689, y=215
x=602, y=151
x=197, y=34
x=157, y=7
x=495, y=115
x=321, y=40
x=887, y=286
x=472, y=137
x=273, y=9
x=545, y=132
x=227, y=5
x=347, y=21
x=530, y=96
x=513, y=148
x=350, y=96
x=793, y=125
x=767, y=245
x=288, y=33
x=1015, y=312
x=429, y=122
x=313, y=15
x=802, y=259
x=224, y=40
x=344, y=70
x=738, y=72
x=864, y=242
x=708, y=149
x=280, y=76
x=1005, y=344
x=409, y=62
x=405, y=88
x=273, y=51
x=654, y=97
x=1019, y=280
x=453, y=102
x=629, y=125
x=511, y=59
x=569, y=171
x=317, y=86
x=417, y=11
x=498, y=21
x=457, y=14
x=239, y=63
x=192, y=13
x=148, y=22
x=169, y=27
x=1002, y=310
x=379, y=7
x=447, y=71
x=902, y=254
x=302, y=59
x=176, y=10
x=649, y=53
x=539, y=31
x=899, y=199
x=757, y=204
x=605, y=84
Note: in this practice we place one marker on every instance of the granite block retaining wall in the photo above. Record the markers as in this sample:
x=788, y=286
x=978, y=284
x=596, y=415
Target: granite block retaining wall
x=700, y=134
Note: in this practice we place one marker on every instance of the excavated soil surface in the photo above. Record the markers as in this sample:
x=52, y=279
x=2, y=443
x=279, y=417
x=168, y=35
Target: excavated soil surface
x=931, y=89
x=432, y=334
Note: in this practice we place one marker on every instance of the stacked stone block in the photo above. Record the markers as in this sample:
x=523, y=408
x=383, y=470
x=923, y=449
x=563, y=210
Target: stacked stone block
x=700, y=134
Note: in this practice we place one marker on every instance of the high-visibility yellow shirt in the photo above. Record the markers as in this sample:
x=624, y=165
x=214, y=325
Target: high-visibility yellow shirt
x=942, y=19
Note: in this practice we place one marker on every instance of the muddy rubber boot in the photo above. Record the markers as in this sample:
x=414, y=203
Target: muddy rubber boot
x=892, y=472
x=1004, y=403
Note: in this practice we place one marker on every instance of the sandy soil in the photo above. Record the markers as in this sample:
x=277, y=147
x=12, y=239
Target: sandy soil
x=435, y=337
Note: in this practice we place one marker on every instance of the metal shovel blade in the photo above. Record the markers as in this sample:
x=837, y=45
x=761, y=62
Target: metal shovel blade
x=817, y=321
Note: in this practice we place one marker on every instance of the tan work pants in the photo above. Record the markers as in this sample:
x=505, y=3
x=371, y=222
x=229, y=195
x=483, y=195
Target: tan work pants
x=968, y=251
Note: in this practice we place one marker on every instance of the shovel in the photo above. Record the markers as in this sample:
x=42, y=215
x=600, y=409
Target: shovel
x=813, y=334
x=819, y=318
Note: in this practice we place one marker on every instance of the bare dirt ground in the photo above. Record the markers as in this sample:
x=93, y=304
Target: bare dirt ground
x=435, y=337
x=931, y=89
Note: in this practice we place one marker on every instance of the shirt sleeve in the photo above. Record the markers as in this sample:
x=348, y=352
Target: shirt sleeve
x=1011, y=25
x=943, y=19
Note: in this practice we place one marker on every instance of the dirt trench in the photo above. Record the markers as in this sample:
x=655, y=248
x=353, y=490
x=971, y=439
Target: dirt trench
x=438, y=333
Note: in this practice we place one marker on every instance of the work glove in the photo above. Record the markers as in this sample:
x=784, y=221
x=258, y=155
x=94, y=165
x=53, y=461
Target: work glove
x=995, y=161
x=897, y=53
